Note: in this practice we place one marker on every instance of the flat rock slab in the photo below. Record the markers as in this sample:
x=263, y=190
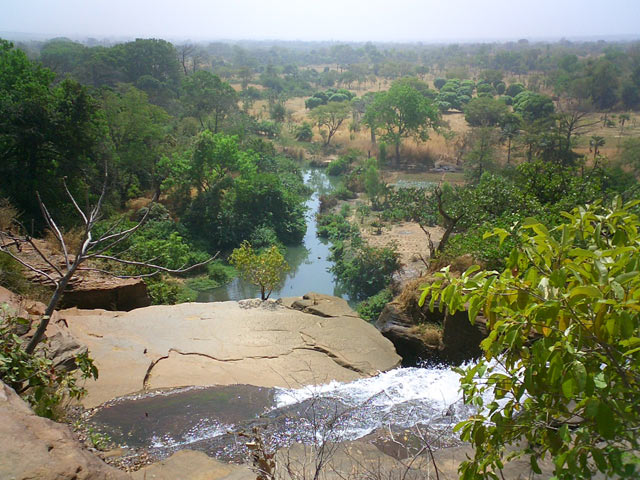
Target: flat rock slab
x=223, y=343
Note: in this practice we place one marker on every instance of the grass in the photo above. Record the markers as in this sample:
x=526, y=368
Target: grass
x=430, y=333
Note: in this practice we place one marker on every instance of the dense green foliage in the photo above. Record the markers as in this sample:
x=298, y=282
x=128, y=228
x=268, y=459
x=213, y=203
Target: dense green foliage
x=562, y=359
x=47, y=131
x=401, y=112
x=330, y=95
x=362, y=270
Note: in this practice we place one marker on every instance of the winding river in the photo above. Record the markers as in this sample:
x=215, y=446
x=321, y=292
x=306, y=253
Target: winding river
x=308, y=261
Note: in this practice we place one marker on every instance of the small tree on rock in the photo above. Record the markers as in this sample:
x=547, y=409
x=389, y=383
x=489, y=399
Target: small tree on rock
x=262, y=269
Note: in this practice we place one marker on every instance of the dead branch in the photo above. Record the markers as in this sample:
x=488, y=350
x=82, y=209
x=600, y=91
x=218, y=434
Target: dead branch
x=90, y=248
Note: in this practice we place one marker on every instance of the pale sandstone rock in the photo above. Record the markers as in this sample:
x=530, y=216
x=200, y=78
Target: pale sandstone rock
x=224, y=343
x=191, y=465
x=33, y=447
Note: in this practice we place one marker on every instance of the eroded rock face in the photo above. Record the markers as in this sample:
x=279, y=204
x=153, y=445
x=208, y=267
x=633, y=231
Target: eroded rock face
x=459, y=339
x=33, y=447
x=87, y=288
x=107, y=293
x=222, y=343
x=321, y=304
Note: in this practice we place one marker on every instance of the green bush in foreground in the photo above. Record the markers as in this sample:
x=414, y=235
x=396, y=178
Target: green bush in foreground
x=562, y=359
x=34, y=376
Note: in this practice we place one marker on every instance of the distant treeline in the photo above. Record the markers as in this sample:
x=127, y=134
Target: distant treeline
x=606, y=73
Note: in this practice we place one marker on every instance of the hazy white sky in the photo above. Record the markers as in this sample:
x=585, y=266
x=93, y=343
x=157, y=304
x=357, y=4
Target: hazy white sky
x=361, y=20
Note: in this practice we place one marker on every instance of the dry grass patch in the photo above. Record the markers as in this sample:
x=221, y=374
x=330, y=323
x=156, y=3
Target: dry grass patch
x=8, y=214
x=72, y=238
x=429, y=333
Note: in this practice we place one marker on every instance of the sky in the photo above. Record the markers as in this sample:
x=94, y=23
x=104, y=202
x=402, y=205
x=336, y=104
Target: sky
x=332, y=20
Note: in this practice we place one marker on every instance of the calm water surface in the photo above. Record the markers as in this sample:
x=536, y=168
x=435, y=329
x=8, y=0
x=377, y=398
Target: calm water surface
x=308, y=261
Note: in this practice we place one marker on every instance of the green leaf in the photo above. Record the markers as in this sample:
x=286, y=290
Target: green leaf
x=475, y=304
x=585, y=290
x=605, y=421
x=569, y=387
x=579, y=374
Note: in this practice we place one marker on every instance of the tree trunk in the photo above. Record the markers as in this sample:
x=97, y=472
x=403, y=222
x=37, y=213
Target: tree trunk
x=53, y=303
x=397, y=153
x=373, y=136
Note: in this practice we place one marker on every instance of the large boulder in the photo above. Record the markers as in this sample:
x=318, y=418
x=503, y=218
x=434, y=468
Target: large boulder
x=58, y=344
x=433, y=336
x=34, y=447
x=445, y=338
x=87, y=288
x=248, y=342
x=107, y=292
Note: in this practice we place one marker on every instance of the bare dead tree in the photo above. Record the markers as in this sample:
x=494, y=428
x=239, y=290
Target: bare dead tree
x=90, y=249
x=184, y=51
x=449, y=223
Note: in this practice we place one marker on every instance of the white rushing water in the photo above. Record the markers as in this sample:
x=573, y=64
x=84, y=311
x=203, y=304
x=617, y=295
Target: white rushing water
x=438, y=386
x=425, y=400
x=402, y=397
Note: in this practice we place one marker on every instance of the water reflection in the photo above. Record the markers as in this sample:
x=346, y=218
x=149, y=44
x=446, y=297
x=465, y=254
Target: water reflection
x=308, y=261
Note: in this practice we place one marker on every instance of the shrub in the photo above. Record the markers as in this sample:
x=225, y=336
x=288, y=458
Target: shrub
x=364, y=270
x=338, y=166
x=264, y=237
x=371, y=308
x=336, y=227
x=562, y=360
x=304, y=133
x=34, y=376
x=264, y=269
x=169, y=292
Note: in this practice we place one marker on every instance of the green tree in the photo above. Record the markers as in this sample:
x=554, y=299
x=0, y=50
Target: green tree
x=403, y=112
x=263, y=269
x=485, y=112
x=373, y=184
x=62, y=55
x=138, y=131
x=561, y=364
x=151, y=57
x=630, y=154
x=533, y=106
x=481, y=156
x=604, y=79
x=47, y=132
x=331, y=116
x=205, y=95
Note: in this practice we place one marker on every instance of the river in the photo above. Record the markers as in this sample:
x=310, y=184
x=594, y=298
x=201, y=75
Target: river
x=210, y=418
x=308, y=262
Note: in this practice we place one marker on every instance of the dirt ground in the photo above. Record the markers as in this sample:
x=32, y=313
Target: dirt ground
x=412, y=244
